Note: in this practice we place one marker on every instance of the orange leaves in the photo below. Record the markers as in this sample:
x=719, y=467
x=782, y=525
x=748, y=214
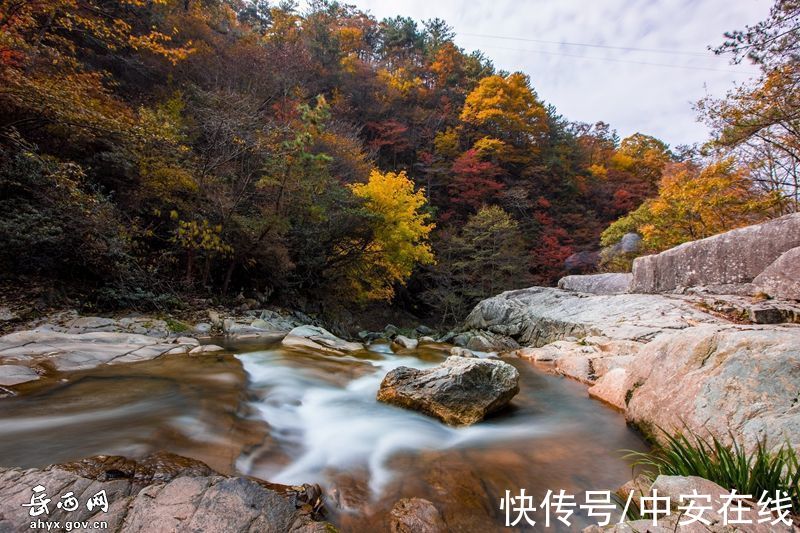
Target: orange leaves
x=507, y=107
x=694, y=203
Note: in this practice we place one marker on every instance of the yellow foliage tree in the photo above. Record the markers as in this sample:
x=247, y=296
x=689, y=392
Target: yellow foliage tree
x=507, y=108
x=400, y=234
x=695, y=203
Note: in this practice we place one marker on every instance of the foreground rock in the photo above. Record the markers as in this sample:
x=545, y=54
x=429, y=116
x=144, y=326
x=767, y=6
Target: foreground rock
x=719, y=380
x=732, y=258
x=42, y=349
x=459, y=392
x=160, y=493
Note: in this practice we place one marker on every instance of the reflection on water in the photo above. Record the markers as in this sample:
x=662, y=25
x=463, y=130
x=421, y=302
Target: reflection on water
x=326, y=427
x=189, y=406
x=313, y=417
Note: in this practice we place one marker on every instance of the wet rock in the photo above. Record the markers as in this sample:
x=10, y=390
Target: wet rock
x=163, y=492
x=462, y=352
x=720, y=380
x=781, y=279
x=406, y=342
x=206, y=348
x=416, y=515
x=460, y=391
x=16, y=374
x=319, y=338
x=425, y=339
x=737, y=256
x=597, y=283
x=390, y=330
x=156, y=467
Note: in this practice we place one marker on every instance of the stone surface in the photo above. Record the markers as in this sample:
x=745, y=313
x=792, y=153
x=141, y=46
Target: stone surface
x=406, y=342
x=610, y=388
x=80, y=351
x=162, y=493
x=16, y=374
x=541, y=315
x=424, y=330
x=737, y=256
x=781, y=279
x=722, y=380
x=460, y=391
x=206, y=348
x=319, y=339
x=415, y=515
x=660, y=358
x=597, y=283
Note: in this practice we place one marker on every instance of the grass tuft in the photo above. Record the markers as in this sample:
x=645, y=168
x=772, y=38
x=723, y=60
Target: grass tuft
x=731, y=467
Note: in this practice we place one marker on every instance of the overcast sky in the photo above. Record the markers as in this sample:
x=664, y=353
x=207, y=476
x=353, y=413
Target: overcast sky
x=604, y=83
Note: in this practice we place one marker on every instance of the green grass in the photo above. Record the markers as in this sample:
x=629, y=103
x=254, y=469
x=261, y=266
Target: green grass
x=176, y=326
x=731, y=467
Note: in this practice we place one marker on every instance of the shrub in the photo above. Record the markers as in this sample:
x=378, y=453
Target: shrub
x=731, y=467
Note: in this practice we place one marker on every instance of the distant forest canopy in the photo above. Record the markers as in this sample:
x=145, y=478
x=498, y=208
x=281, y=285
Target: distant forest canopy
x=153, y=149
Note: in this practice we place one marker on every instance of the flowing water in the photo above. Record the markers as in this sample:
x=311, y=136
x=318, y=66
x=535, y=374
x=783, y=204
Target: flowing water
x=298, y=416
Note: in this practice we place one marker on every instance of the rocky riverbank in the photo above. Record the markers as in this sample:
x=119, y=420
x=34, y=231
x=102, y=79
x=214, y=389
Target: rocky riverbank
x=704, y=337
x=160, y=492
x=712, y=352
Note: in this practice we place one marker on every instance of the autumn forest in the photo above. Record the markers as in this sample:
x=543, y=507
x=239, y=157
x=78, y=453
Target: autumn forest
x=157, y=150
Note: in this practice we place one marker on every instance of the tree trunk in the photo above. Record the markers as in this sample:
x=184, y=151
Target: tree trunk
x=228, y=275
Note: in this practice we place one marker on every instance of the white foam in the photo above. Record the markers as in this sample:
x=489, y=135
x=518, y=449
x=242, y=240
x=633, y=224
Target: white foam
x=324, y=426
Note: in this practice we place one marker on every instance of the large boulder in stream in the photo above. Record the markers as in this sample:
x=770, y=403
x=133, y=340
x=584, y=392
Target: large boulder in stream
x=459, y=392
x=159, y=493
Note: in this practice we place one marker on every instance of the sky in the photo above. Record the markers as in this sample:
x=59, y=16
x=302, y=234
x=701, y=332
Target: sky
x=593, y=83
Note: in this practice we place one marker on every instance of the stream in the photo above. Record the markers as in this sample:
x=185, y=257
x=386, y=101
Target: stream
x=301, y=416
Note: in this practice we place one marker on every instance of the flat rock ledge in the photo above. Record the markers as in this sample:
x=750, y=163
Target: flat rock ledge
x=461, y=391
x=26, y=355
x=318, y=338
x=160, y=493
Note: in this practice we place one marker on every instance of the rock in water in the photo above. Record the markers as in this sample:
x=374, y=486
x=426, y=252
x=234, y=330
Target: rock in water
x=319, y=339
x=415, y=515
x=459, y=392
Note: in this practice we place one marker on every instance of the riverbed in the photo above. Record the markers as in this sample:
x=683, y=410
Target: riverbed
x=300, y=416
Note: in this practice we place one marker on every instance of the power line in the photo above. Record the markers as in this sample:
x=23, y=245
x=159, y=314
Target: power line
x=630, y=61
x=589, y=45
